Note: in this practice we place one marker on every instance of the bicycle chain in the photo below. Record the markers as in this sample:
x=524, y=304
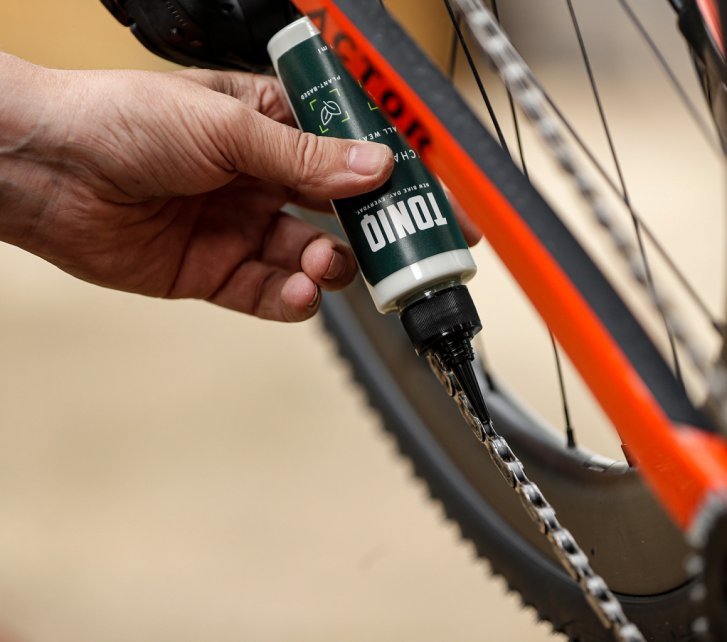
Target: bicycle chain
x=563, y=544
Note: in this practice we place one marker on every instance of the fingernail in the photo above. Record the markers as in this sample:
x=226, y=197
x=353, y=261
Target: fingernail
x=335, y=267
x=314, y=301
x=368, y=159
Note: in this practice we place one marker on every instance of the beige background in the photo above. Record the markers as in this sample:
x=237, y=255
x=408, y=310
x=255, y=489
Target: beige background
x=173, y=472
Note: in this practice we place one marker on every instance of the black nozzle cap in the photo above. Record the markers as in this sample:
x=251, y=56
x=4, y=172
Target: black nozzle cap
x=446, y=313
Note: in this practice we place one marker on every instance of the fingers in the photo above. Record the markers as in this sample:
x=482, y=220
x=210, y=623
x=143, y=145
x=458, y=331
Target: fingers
x=328, y=263
x=317, y=167
x=269, y=293
x=271, y=267
x=254, y=136
x=272, y=292
x=299, y=298
x=294, y=245
x=264, y=94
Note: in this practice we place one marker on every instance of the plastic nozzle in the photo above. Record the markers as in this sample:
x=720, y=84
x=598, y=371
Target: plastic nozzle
x=444, y=323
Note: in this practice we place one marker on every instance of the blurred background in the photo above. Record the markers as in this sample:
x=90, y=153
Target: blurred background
x=166, y=476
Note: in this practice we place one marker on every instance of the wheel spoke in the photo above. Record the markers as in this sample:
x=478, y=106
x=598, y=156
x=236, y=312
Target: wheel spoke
x=569, y=431
x=454, y=50
x=694, y=112
x=570, y=434
x=513, y=112
x=620, y=174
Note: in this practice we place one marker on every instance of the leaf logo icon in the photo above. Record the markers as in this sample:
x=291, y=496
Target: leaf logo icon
x=330, y=109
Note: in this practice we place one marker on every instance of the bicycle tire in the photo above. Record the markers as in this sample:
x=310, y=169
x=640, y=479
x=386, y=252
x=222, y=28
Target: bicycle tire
x=428, y=430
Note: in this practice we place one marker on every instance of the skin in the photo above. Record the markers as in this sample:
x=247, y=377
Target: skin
x=171, y=185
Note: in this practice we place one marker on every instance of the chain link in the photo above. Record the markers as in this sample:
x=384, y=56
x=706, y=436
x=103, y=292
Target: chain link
x=563, y=544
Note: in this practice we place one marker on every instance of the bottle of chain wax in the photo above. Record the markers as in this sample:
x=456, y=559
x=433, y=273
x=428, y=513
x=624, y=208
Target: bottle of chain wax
x=407, y=242
x=404, y=234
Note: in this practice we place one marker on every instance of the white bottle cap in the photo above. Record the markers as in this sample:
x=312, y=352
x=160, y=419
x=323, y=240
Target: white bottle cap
x=289, y=37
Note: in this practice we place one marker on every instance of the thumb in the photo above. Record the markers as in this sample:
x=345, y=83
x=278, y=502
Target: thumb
x=319, y=167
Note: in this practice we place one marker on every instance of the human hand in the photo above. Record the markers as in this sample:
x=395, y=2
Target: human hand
x=171, y=185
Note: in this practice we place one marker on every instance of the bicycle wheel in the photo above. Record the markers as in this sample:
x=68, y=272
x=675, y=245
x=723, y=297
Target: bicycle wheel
x=629, y=539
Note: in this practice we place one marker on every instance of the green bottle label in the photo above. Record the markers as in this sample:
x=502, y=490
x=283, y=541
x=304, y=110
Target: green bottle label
x=401, y=223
